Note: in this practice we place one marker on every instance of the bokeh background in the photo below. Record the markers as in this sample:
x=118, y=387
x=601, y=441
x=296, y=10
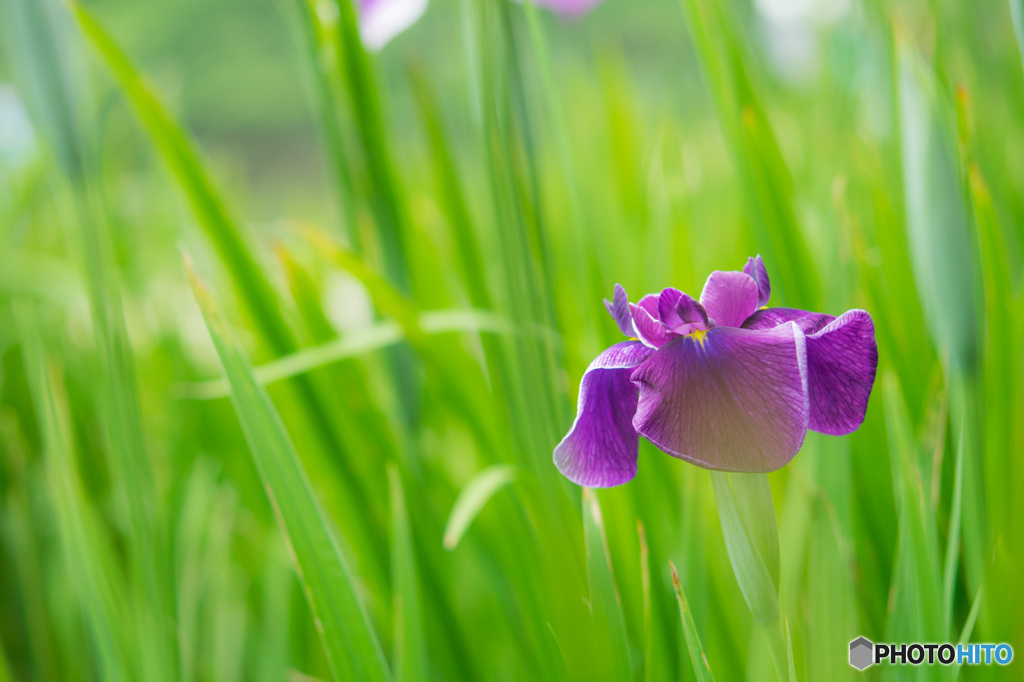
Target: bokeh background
x=411, y=248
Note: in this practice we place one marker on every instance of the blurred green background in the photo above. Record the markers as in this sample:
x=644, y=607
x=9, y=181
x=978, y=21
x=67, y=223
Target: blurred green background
x=411, y=248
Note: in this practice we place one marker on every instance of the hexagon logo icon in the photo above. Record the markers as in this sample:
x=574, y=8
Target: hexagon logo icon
x=861, y=653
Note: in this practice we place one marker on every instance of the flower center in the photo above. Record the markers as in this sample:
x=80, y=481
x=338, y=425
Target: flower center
x=698, y=335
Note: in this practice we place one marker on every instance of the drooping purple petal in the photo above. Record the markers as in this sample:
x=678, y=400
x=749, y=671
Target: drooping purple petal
x=729, y=399
x=773, y=317
x=601, y=447
x=757, y=271
x=842, y=358
x=618, y=308
x=382, y=20
x=648, y=328
x=729, y=297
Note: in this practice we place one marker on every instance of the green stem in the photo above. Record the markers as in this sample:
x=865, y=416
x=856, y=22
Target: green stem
x=747, y=515
x=778, y=648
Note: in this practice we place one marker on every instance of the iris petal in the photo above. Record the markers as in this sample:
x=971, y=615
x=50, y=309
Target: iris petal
x=668, y=299
x=842, y=358
x=650, y=304
x=729, y=399
x=768, y=318
x=601, y=447
x=729, y=297
x=680, y=313
x=759, y=273
x=649, y=329
x=618, y=308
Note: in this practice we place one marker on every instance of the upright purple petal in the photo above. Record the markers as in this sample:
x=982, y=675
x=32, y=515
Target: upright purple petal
x=382, y=20
x=649, y=303
x=729, y=399
x=842, y=358
x=692, y=312
x=729, y=297
x=757, y=271
x=618, y=308
x=648, y=328
x=601, y=447
x=668, y=299
x=680, y=313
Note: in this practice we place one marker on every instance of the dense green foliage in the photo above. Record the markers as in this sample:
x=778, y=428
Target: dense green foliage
x=289, y=331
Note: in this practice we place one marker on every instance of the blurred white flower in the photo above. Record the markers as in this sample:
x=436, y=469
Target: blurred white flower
x=790, y=30
x=382, y=20
x=17, y=139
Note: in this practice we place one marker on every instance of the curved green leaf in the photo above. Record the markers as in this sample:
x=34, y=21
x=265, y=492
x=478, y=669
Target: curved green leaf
x=472, y=499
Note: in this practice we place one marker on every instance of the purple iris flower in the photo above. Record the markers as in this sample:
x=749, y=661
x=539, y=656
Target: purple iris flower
x=724, y=382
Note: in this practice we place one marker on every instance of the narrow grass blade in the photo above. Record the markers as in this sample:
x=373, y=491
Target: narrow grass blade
x=525, y=367
x=762, y=171
x=89, y=563
x=472, y=498
x=611, y=641
x=393, y=303
x=789, y=654
x=1001, y=363
x=190, y=545
x=5, y=669
x=1017, y=11
x=945, y=256
x=645, y=587
x=38, y=45
x=701, y=669
x=452, y=194
x=321, y=73
x=965, y=633
x=27, y=577
x=348, y=639
x=52, y=53
x=254, y=287
x=916, y=614
x=949, y=572
x=184, y=162
x=384, y=187
x=410, y=647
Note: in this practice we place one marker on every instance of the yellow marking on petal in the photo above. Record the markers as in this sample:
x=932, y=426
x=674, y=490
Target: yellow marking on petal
x=764, y=307
x=699, y=335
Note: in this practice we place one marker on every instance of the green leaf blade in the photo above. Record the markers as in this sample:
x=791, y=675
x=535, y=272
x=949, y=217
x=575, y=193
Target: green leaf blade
x=349, y=641
x=701, y=668
x=611, y=641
